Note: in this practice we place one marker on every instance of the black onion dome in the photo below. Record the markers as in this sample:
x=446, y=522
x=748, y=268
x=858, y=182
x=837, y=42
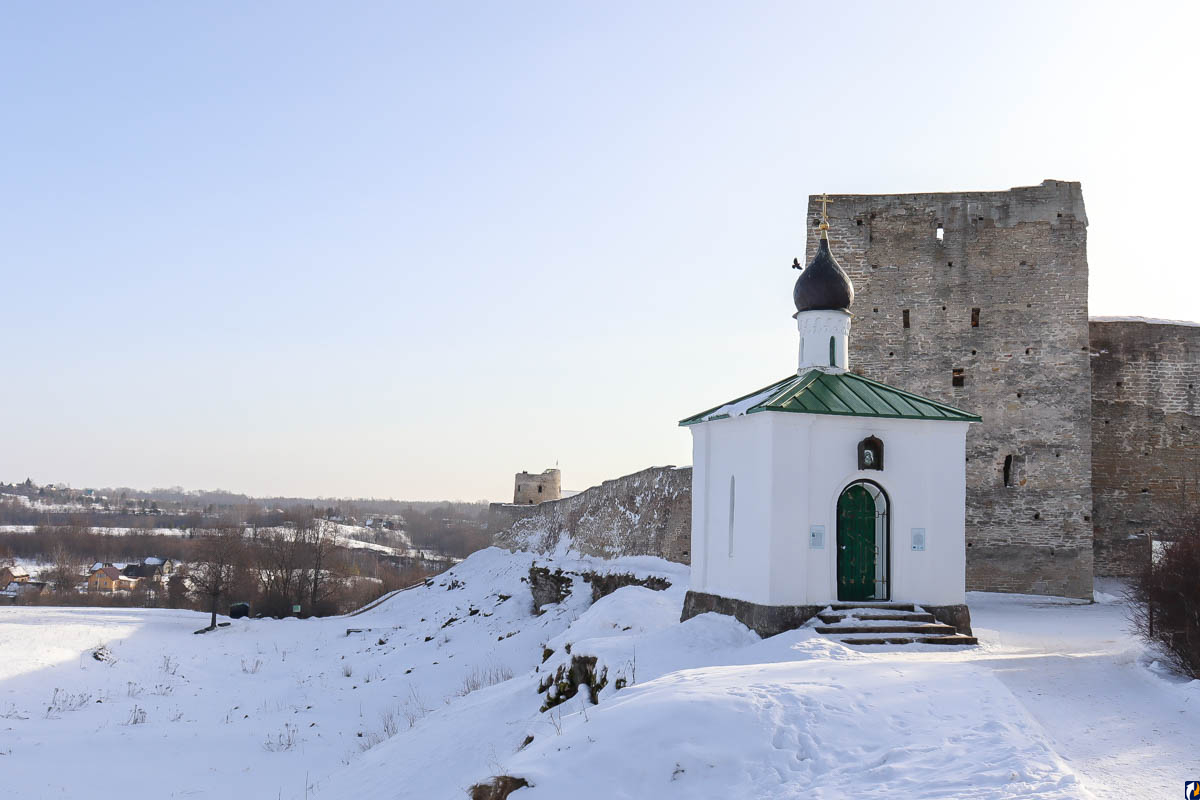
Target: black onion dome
x=823, y=285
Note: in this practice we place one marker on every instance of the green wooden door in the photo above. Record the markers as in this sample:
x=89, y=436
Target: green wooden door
x=856, y=545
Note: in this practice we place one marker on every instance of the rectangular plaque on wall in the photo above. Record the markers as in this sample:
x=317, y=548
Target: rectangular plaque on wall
x=816, y=537
x=918, y=538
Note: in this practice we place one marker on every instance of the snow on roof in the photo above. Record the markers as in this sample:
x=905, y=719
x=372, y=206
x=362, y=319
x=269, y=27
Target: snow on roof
x=1147, y=320
x=152, y=561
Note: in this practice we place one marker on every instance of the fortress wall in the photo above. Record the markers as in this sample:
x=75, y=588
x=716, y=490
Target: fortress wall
x=646, y=513
x=1145, y=437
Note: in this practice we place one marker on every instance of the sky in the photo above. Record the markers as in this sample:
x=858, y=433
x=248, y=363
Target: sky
x=409, y=249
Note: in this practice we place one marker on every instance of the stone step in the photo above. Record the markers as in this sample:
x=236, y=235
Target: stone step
x=955, y=639
x=876, y=604
x=880, y=640
x=912, y=629
x=878, y=616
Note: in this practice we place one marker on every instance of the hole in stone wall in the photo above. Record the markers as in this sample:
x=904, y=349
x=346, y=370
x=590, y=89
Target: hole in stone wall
x=972, y=352
x=1037, y=515
x=904, y=314
x=949, y=263
x=1022, y=263
x=1029, y=305
x=874, y=266
x=957, y=378
x=974, y=317
x=1018, y=394
x=1013, y=471
x=876, y=310
x=1086, y=518
x=1119, y=384
x=941, y=233
x=858, y=222
x=1028, y=350
x=943, y=308
x=1145, y=491
x=891, y=354
x=816, y=223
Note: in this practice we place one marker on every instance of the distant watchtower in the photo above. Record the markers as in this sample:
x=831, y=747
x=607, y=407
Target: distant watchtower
x=532, y=489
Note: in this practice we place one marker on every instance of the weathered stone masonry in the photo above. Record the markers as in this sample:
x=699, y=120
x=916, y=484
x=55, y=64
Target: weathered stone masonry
x=646, y=513
x=1145, y=437
x=980, y=299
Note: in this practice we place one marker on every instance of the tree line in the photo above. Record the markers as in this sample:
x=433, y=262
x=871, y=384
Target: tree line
x=295, y=562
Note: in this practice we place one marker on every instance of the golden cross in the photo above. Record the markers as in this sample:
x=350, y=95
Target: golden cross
x=825, y=201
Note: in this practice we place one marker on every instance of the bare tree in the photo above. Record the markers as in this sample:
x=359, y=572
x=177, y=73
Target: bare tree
x=220, y=557
x=66, y=571
x=278, y=561
x=320, y=549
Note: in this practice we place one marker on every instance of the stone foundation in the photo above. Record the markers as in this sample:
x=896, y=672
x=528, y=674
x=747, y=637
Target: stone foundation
x=763, y=620
x=959, y=616
x=769, y=620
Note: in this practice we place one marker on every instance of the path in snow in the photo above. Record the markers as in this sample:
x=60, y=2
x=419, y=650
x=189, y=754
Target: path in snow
x=1140, y=736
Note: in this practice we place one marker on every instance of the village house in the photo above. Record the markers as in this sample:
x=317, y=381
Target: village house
x=108, y=578
x=13, y=574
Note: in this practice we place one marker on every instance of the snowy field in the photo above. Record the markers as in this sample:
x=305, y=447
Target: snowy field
x=440, y=690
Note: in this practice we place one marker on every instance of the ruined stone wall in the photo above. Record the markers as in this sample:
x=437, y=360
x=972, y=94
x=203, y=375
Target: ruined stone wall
x=1145, y=437
x=646, y=513
x=531, y=488
x=1020, y=258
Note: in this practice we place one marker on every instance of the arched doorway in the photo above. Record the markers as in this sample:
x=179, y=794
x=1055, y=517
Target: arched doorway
x=862, y=543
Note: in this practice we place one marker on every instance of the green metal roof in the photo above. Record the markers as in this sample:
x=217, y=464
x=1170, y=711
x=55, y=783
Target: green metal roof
x=839, y=393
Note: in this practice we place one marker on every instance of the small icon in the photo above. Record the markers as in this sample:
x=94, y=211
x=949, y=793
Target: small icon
x=1191, y=790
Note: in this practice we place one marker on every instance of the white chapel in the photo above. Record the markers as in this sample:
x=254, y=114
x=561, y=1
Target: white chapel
x=828, y=489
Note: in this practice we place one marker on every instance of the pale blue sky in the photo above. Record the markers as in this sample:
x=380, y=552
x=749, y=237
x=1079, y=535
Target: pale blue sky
x=409, y=249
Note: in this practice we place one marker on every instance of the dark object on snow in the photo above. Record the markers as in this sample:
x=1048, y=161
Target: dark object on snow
x=497, y=788
x=102, y=653
x=239, y=610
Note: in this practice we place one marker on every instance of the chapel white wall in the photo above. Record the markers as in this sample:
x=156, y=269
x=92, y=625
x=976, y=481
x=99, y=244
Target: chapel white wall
x=738, y=447
x=790, y=470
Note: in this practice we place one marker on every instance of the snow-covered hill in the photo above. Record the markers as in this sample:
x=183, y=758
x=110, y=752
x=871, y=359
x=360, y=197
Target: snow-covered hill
x=443, y=686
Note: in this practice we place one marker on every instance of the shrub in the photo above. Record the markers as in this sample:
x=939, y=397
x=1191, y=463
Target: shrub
x=482, y=677
x=1166, y=603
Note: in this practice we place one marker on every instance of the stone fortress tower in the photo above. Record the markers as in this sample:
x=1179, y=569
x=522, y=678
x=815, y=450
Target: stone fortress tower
x=979, y=299
x=531, y=489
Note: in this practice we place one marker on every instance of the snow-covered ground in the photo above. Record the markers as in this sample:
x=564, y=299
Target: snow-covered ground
x=1057, y=702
